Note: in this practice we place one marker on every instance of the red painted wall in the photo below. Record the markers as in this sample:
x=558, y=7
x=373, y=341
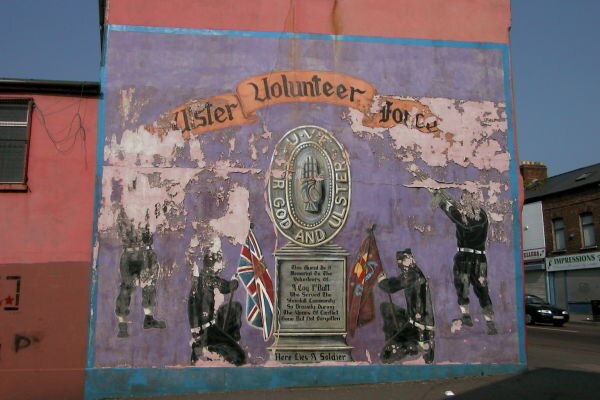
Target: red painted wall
x=43, y=343
x=45, y=246
x=52, y=221
x=462, y=20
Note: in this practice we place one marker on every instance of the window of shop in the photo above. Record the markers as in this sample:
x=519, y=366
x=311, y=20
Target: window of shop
x=14, y=142
x=588, y=236
x=558, y=227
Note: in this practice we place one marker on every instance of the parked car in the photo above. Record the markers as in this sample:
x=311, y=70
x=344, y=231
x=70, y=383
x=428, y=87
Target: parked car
x=539, y=310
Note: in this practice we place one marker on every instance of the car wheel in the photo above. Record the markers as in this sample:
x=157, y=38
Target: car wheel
x=529, y=319
x=558, y=323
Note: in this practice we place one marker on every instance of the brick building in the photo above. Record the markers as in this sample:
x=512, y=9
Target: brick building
x=571, y=215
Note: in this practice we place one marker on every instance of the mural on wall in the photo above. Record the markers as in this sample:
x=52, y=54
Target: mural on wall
x=205, y=159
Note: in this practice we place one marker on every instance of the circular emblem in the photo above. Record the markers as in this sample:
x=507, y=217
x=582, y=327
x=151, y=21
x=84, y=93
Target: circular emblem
x=309, y=186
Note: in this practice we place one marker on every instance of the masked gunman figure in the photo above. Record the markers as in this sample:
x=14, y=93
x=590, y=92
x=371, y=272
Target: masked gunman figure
x=470, y=262
x=410, y=331
x=218, y=335
x=138, y=267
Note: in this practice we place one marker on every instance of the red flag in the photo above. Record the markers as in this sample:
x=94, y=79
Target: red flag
x=362, y=278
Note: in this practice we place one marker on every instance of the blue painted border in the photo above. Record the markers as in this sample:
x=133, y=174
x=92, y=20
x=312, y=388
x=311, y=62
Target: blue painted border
x=306, y=36
x=514, y=183
x=123, y=382
x=91, y=348
x=128, y=382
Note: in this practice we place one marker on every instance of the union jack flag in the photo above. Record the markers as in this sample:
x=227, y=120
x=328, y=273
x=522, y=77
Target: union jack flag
x=259, y=287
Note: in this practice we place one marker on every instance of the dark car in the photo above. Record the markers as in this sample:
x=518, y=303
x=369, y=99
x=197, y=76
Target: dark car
x=539, y=310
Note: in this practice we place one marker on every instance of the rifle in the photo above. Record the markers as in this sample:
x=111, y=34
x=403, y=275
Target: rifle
x=226, y=318
x=442, y=193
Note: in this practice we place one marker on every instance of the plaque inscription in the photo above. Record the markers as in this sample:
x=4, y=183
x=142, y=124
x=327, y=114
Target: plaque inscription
x=311, y=310
x=312, y=295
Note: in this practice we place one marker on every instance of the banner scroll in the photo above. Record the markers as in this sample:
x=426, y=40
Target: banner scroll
x=207, y=114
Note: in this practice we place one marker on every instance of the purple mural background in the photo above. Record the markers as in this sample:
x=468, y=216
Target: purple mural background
x=163, y=71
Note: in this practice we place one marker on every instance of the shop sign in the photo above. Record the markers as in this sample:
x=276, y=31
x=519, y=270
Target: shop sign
x=573, y=261
x=534, y=254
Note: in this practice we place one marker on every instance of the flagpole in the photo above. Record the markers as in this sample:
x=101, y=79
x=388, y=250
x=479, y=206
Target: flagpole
x=397, y=325
x=228, y=309
x=371, y=231
x=231, y=295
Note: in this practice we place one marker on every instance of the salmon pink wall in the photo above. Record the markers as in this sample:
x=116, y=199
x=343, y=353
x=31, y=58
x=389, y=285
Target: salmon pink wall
x=52, y=221
x=43, y=338
x=45, y=252
x=465, y=20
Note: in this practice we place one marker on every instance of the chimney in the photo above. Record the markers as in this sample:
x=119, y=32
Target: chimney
x=533, y=172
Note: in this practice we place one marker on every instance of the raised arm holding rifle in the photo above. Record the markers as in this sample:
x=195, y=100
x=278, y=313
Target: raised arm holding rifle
x=470, y=261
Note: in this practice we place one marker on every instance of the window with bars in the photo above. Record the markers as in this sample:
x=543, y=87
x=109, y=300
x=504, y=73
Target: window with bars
x=558, y=228
x=15, y=115
x=588, y=236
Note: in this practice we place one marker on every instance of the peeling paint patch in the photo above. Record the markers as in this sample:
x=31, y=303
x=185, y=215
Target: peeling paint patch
x=486, y=194
x=196, y=152
x=235, y=223
x=355, y=118
x=223, y=168
x=131, y=104
x=253, y=151
x=266, y=133
x=422, y=228
x=496, y=217
x=467, y=134
x=158, y=191
x=142, y=148
x=456, y=326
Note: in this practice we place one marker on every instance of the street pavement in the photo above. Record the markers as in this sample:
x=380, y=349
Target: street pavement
x=564, y=363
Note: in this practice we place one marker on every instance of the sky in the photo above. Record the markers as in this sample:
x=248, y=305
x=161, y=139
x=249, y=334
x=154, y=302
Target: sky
x=555, y=58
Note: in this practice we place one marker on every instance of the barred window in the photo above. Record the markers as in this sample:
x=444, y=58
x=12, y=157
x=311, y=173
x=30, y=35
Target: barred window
x=558, y=228
x=15, y=117
x=588, y=236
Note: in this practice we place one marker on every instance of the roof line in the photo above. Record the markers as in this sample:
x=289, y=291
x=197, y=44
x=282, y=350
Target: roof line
x=40, y=86
x=573, y=170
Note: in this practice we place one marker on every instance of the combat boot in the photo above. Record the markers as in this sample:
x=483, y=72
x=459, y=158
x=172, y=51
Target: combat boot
x=392, y=353
x=465, y=320
x=123, y=330
x=150, y=322
x=491, y=328
x=428, y=352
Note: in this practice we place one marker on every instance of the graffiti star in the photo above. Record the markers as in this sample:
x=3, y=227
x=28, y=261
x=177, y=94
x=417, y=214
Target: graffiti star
x=8, y=300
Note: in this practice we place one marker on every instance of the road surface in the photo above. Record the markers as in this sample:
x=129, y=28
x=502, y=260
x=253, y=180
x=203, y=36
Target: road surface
x=564, y=363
